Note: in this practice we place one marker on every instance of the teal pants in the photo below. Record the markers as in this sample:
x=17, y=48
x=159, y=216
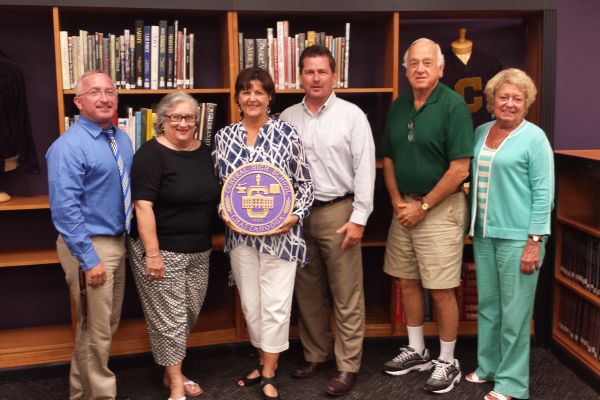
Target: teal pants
x=505, y=305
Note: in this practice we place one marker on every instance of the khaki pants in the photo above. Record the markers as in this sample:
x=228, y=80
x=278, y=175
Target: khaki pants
x=90, y=377
x=331, y=270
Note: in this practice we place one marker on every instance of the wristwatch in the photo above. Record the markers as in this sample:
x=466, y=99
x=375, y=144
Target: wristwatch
x=535, y=238
x=424, y=206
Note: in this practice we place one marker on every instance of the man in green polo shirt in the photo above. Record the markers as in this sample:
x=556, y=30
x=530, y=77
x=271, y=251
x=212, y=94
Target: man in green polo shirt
x=427, y=146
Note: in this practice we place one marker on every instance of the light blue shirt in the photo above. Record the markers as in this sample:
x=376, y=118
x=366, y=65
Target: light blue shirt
x=520, y=193
x=85, y=188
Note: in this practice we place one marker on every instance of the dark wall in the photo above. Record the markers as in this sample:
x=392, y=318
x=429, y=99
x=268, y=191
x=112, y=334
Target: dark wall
x=577, y=76
x=33, y=50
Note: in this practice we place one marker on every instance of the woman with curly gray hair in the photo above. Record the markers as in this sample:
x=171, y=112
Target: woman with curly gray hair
x=175, y=194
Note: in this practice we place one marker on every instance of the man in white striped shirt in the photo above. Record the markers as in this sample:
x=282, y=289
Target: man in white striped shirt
x=341, y=155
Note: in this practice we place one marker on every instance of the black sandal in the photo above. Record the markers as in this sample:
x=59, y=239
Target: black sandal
x=269, y=381
x=250, y=381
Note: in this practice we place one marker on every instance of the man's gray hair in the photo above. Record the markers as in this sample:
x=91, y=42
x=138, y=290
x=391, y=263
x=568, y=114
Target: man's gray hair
x=440, y=55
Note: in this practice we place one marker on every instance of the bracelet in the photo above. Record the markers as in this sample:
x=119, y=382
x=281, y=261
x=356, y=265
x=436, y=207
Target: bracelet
x=152, y=255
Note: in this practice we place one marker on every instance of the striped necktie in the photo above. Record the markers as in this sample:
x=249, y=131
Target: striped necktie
x=125, y=186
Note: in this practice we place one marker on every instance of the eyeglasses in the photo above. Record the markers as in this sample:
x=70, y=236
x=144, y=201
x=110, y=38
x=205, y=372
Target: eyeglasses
x=411, y=131
x=98, y=93
x=190, y=119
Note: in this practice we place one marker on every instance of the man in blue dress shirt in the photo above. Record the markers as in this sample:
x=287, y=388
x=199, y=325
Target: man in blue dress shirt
x=87, y=204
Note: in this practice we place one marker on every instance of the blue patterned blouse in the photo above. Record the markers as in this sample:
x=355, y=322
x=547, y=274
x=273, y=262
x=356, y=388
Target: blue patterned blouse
x=278, y=144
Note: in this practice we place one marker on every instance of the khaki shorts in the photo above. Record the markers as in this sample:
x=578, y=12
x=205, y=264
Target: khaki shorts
x=432, y=250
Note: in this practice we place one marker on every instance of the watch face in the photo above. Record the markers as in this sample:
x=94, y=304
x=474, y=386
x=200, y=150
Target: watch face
x=425, y=206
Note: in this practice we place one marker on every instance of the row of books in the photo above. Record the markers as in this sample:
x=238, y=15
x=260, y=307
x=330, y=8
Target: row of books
x=466, y=295
x=139, y=125
x=151, y=57
x=580, y=321
x=580, y=259
x=279, y=54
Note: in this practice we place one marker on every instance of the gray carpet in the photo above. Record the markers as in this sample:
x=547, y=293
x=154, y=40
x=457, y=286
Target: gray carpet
x=217, y=368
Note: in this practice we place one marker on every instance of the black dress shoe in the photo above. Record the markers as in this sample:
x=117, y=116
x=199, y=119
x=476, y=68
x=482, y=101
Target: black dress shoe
x=309, y=368
x=341, y=383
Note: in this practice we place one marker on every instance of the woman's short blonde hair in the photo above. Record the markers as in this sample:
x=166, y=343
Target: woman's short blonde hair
x=515, y=77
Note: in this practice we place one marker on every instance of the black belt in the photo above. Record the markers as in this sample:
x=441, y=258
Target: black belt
x=319, y=203
x=419, y=197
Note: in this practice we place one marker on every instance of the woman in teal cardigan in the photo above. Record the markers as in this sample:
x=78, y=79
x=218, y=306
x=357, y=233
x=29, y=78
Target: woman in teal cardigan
x=512, y=198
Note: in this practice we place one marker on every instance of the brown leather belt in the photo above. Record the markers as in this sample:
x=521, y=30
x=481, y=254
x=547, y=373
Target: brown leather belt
x=319, y=203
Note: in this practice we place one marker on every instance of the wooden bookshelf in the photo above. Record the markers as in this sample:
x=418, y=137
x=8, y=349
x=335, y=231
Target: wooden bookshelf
x=163, y=91
x=375, y=76
x=578, y=179
x=577, y=351
x=19, y=203
x=35, y=345
x=577, y=289
x=28, y=257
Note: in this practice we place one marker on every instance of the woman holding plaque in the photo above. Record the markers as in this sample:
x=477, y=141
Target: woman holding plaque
x=512, y=198
x=175, y=193
x=264, y=266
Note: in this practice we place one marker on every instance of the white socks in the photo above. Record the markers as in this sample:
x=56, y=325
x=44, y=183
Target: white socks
x=416, y=339
x=447, y=351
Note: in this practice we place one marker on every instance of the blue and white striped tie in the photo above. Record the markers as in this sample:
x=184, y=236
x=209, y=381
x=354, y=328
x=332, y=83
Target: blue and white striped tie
x=125, y=186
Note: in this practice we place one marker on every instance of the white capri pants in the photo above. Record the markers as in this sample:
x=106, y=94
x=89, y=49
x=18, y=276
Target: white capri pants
x=266, y=286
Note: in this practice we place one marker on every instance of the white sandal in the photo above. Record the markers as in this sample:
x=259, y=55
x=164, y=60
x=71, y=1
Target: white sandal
x=473, y=378
x=191, y=383
x=493, y=395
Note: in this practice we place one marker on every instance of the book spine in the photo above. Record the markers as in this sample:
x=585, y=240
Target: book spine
x=162, y=54
x=241, y=59
x=149, y=124
x=131, y=125
x=139, y=53
x=71, y=80
x=286, y=61
x=275, y=65
x=186, y=70
x=138, y=130
x=398, y=312
x=295, y=67
x=122, y=69
x=75, y=58
x=200, y=134
x=154, y=38
x=249, y=50
x=127, y=59
x=132, y=77
x=310, y=38
x=170, y=55
x=338, y=62
x=179, y=79
x=280, y=56
x=270, y=52
x=191, y=73
x=211, y=112
x=113, y=57
x=147, y=51
x=262, y=59
x=346, y=55
x=83, y=53
x=64, y=59
x=99, y=50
